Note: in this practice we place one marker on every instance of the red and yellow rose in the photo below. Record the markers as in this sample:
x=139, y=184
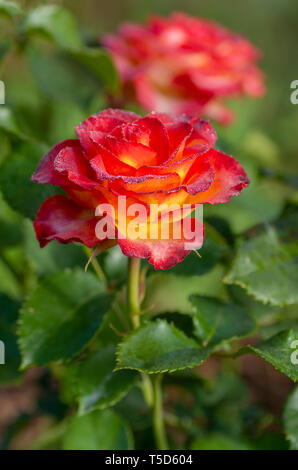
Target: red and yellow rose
x=186, y=65
x=158, y=159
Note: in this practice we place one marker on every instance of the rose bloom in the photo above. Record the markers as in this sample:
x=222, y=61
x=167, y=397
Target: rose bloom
x=186, y=65
x=158, y=159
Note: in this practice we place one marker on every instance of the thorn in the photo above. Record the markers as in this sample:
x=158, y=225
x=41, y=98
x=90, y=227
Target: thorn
x=94, y=253
x=197, y=253
x=88, y=262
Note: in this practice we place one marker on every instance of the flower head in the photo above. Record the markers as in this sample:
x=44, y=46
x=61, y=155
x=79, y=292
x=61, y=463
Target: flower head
x=159, y=160
x=186, y=65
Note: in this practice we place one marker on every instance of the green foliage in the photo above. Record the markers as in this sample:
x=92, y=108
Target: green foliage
x=218, y=441
x=59, y=77
x=61, y=317
x=8, y=123
x=9, y=285
x=158, y=285
x=99, y=430
x=214, y=249
x=259, y=203
x=55, y=23
x=52, y=258
x=98, y=62
x=59, y=26
x=215, y=321
x=8, y=315
x=15, y=180
x=116, y=323
x=267, y=269
x=114, y=265
x=277, y=351
x=10, y=9
x=95, y=383
x=159, y=347
x=11, y=232
x=290, y=419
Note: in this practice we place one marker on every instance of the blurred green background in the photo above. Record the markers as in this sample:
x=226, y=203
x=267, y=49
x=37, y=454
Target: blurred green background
x=271, y=25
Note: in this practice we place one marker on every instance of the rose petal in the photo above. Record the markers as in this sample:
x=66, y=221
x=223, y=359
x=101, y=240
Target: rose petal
x=88, y=199
x=230, y=178
x=196, y=174
x=162, y=254
x=71, y=163
x=203, y=132
x=61, y=219
x=150, y=132
x=134, y=154
x=200, y=176
x=147, y=184
x=178, y=134
x=106, y=163
x=45, y=173
x=216, y=110
x=104, y=122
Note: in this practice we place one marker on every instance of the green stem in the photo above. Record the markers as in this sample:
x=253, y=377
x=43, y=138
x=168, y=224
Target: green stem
x=133, y=305
x=152, y=394
x=133, y=300
x=98, y=269
x=158, y=418
x=147, y=390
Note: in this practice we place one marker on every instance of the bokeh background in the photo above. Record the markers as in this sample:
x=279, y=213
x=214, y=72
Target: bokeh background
x=48, y=96
x=271, y=25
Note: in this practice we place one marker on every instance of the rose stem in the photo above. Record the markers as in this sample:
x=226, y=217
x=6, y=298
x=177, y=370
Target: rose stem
x=152, y=395
x=158, y=421
x=133, y=302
